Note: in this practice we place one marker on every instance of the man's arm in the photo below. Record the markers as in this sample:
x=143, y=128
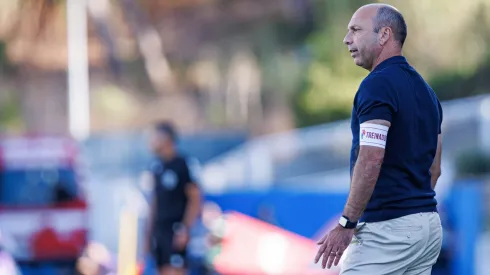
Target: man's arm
x=365, y=176
x=193, y=208
x=435, y=169
x=193, y=193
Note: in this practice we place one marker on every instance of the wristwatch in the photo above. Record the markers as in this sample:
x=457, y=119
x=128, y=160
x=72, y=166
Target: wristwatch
x=346, y=223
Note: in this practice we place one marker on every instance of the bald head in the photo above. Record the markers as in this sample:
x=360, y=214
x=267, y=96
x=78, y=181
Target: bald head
x=384, y=15
x=375, y=32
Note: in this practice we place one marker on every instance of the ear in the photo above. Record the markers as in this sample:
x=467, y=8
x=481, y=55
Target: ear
x=385, y=35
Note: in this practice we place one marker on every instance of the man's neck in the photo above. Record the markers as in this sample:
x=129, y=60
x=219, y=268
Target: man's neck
x=386, y=54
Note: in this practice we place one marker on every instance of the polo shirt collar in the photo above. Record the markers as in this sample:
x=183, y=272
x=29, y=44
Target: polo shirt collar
x=391, y=61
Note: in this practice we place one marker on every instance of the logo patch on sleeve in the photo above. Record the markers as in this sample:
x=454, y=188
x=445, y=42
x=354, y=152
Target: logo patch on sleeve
x=373, y=135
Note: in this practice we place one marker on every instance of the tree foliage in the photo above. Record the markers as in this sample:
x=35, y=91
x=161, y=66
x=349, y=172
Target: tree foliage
x=447, y=43
x=297, y=45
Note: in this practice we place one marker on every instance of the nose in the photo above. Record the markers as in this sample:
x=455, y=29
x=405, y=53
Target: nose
x=348, y=39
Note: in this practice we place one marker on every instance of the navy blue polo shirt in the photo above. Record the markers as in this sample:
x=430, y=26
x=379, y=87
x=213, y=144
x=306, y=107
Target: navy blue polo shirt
x=171, y=178
x=395, y=92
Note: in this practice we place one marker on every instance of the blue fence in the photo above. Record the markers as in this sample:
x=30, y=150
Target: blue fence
x=306, y=213
x=303, y=213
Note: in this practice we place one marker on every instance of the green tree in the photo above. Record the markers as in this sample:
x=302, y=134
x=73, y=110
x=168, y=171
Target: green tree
x=452, y=54
x=331, y=79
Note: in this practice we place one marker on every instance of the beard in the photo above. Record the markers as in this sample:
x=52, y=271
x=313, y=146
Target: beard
x=364, y=61
x=366, y=58
x=367, y=54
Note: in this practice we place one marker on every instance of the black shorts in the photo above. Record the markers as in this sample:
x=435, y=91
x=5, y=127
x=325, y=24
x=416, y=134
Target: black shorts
x=164, y=251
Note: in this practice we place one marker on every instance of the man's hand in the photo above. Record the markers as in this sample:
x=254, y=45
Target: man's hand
x=333, y=245
x=181, y=238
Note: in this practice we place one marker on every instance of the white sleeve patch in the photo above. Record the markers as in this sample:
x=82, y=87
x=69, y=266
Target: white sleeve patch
x=373, y=135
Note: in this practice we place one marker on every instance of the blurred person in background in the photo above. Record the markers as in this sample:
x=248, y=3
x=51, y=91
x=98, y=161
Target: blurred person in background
x=391, y=209
x=175, y=202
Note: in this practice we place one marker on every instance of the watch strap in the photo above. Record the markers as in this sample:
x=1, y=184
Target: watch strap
x=346, y=223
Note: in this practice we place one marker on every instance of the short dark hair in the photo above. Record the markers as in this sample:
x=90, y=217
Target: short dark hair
x=390, y=17
x=166, y=128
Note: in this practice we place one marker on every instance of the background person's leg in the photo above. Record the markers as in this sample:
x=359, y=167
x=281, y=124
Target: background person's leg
x=176, y=271
x=163, y=252
x=164, y=267
x=169, y=270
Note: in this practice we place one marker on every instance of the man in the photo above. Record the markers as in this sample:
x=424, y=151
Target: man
x=175, y=204
x=395, y=158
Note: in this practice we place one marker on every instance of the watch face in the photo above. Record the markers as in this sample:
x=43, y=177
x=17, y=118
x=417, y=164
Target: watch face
x=343, y=221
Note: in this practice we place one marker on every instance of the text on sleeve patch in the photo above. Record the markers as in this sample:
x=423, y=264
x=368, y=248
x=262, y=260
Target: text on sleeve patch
x=373, y=135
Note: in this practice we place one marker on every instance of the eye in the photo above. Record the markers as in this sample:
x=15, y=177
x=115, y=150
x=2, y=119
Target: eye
x=353, y=30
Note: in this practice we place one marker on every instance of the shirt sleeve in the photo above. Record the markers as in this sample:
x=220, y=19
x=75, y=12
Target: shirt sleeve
x=375, y=100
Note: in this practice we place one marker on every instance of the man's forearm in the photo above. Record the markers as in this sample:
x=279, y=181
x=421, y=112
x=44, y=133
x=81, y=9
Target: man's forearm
x=366, y=172
x=192, y=212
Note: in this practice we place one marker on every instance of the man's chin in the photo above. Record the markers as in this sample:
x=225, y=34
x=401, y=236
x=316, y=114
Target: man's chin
x=359, y=63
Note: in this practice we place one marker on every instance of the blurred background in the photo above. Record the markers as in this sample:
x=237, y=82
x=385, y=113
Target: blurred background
x=261, y=92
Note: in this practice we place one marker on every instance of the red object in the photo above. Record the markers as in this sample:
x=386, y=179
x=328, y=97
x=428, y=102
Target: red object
x=45, y=243
x=251, y=246
x=50, y=232
x=45, y=234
